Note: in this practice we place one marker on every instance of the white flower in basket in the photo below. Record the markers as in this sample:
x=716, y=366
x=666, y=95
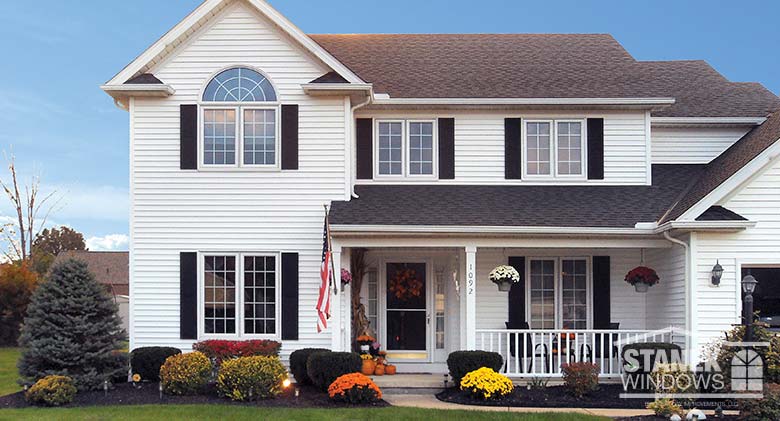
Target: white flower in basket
x=504, y=276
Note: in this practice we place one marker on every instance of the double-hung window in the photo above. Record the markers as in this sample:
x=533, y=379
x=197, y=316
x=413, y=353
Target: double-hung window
x=240, y=121
x=559, y=293
x=405, y=148
x=554, y=148
x=241, y=295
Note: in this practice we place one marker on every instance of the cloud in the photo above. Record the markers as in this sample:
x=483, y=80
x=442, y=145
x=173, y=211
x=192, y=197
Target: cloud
x=108, y=242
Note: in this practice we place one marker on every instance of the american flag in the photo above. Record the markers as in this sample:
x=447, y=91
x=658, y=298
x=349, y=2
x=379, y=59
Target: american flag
x=326, y=275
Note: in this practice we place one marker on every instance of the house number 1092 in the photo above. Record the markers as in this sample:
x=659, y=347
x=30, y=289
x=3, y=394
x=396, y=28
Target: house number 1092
x=470, y=280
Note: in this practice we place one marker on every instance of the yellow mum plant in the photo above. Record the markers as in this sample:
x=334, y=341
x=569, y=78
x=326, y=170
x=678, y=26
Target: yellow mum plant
x=185, y=374
x=485, y=383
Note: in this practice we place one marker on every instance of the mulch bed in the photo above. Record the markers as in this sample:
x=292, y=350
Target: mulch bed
x=608, y=396
x=149, y=394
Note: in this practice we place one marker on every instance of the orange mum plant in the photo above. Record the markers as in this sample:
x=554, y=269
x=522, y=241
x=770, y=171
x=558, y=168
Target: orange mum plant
x=354, y=388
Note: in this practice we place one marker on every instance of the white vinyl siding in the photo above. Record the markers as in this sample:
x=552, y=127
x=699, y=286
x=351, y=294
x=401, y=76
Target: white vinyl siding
x=479, y=145
x=719, y=307
x=226, y=210
x=666, y=304
x=692, y=145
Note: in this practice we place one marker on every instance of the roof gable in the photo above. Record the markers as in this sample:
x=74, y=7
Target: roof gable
x=200, y=17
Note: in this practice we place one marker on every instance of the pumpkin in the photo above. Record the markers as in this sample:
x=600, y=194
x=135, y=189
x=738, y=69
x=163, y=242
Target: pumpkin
x=379, y=370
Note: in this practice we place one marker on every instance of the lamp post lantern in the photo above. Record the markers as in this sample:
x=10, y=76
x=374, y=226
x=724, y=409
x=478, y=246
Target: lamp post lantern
x=748, y=286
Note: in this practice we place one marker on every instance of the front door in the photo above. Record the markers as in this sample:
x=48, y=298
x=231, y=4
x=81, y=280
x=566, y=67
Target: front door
x=406, y=311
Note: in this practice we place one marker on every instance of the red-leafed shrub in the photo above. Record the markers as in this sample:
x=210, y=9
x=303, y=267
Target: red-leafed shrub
x=219, y=350
x=581, y=378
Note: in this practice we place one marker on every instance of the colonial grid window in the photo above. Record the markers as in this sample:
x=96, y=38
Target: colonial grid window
x=559, y=293
x=405, y=148
x=240, y=103
x=554, y=148
x=240, y=295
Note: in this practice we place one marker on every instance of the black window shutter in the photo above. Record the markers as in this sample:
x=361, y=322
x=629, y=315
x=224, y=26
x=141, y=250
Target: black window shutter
x=364, y=148
x=446, y=148
x=517, y=295
x=595, y=149
x=188, y=136
x=290, y=296
x=601, y=283
x=290, y=137
x=513, y=153
x=188, y=295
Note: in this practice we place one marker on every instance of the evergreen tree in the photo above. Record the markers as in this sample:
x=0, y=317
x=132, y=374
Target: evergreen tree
x=71, y=329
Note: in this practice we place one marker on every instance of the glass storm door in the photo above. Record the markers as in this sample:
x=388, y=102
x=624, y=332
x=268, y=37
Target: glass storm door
x=407, y=310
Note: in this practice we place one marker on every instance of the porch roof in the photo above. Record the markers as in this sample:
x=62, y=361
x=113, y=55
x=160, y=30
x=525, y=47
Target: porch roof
x=520, y=206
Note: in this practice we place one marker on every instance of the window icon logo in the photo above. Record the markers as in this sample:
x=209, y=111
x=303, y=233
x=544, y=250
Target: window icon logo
x=747, y=371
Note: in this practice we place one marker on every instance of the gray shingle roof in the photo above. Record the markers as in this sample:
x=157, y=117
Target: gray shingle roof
x=110, y=268
x=540, y=66
x=719, y=213
x=527, y=206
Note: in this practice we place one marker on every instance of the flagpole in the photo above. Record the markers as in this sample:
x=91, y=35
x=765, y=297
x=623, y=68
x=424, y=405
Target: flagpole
x=333, y=284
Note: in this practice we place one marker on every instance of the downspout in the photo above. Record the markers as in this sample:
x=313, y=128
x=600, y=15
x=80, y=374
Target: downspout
x=352, y=157
x=687, y=276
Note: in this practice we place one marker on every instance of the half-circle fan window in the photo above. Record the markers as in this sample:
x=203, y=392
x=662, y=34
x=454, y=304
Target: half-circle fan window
x=239, y=85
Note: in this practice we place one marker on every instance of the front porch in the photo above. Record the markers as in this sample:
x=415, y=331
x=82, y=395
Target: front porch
x=571, y=305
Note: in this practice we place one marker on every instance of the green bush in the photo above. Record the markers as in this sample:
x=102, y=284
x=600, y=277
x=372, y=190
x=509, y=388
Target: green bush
x=247, y=378
x=665, y=408
x=146, y=361
x=325, y=367
x=185, y=374
x=51, y=391
x=580, y=379
x=767, y=408
x=72, y=328
x=461, y=363
x=724, y=354
x=298, y=360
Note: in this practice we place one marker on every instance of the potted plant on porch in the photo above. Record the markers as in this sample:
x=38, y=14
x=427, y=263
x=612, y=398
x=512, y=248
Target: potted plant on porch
x=642, y=277
x=504, y=276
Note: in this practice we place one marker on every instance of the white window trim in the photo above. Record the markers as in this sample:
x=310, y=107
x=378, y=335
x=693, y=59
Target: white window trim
x=554, y=149
x=202, y=335
x=239, y=108
x=405, y=161
x=559, y=288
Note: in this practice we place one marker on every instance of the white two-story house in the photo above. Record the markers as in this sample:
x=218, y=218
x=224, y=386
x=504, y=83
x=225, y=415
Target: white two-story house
x=441, y=157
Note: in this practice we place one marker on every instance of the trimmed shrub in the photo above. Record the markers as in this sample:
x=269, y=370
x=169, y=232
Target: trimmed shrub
x=485, y=384
x=767, y=408
x=219, y=350
x=354, y=388
x=51, y=391
x=461, y=363
x=72, y=328
x=298, y=360
x=673, y=378
x=580, y=379
x=247, y=378
x=185, y=374
x=323, y=368
x=146, y=361
x=663, y=352
x=665, y=408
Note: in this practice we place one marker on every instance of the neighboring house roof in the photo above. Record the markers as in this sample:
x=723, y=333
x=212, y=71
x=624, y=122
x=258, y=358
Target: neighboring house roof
x=109, y=267
x=719, y=213
x=726, y=165
x=519, y=206
x=540, y=66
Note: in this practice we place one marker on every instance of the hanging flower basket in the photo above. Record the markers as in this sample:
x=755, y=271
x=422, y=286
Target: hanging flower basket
x=642, y=277
x=504, y=276
x=346, y=277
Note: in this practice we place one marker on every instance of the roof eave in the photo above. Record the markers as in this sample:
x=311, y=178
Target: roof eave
x=350, y=229
x=705, y=121
x=139, y=90
x=650, y=104
x=712, y=226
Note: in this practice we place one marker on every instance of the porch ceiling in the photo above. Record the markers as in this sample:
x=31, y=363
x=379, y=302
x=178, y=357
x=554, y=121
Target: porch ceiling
x=516, y=206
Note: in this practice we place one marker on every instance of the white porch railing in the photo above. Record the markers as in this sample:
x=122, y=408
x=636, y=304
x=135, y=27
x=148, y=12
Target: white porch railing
x=542, y=352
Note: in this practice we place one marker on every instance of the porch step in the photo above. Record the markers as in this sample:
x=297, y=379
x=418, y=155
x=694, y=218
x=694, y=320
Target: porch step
x=414, y=384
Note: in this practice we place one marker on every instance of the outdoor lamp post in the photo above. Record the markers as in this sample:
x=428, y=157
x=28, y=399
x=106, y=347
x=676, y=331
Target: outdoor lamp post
x=748, y=286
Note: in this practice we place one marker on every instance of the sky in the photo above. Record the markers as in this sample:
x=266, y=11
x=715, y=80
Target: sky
x=60, y=126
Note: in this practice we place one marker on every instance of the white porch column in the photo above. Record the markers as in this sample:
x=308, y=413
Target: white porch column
x=471, y=297
x=346, y=302
x=335, y=322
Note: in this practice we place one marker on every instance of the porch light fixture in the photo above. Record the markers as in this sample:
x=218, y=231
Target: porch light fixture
x=749, y=284
x=717, y=273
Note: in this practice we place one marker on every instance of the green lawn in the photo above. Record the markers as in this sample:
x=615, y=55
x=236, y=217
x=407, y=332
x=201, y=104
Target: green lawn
x=210, y=412
x=8, y=373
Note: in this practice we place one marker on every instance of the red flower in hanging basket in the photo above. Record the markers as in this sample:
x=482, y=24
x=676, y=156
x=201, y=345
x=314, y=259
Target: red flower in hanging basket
x=642, y=275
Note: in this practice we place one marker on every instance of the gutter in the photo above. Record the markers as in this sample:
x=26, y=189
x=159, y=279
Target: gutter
x=650, y=102
x=687, y=276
